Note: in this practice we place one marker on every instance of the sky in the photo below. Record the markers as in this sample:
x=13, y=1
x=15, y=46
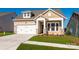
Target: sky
x=66, y=11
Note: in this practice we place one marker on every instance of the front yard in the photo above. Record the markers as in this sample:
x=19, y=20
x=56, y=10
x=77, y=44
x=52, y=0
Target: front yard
x=57, y=39
x=6, y=33
x=66, y=39
x=38, y=47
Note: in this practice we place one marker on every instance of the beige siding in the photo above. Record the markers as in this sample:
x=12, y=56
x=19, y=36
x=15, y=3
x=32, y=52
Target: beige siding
x=53, y=15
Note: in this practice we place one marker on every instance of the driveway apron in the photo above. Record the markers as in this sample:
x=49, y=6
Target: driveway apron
x=11, y=42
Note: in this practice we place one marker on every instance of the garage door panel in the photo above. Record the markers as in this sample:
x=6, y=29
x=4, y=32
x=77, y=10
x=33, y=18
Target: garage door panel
x=30, y=29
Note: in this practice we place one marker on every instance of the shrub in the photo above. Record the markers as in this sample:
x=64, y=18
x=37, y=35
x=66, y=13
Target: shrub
x=68, y=32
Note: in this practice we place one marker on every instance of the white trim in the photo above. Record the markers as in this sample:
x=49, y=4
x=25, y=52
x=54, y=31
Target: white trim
x=41, y=14
x=62, y=24
x=41, y=19
x=55, y=18
x=58, y=13
x=52, y=11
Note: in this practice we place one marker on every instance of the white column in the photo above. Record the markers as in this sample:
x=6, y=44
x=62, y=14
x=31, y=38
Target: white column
x=55, y=26
x=62, y=29
x=44, y=29
x=37, y=26
x=50, y=27
x=62, y=23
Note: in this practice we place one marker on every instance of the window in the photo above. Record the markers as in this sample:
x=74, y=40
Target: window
x=25, y=14
x=56, y=26
x=48, y=26
x=53, y=26
x=28, y=14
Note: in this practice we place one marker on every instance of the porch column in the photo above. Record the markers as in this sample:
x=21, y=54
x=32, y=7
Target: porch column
x=62, y=23
x=44, y=29
x=37, y=26
x=62, y=28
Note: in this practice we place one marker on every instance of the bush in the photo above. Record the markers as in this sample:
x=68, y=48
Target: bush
x=68, y=32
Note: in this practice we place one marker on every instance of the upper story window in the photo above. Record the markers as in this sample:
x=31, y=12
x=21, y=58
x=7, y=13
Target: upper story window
x=27, y=14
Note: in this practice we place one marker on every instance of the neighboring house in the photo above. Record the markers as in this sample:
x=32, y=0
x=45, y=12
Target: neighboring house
x=73, y=24
x=40, y=22
x=6, y=21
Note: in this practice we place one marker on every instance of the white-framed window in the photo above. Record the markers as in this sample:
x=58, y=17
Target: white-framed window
x=24, y=14
x=53, y=26
x=48, y=26
x=27, y=15
x=57, y=24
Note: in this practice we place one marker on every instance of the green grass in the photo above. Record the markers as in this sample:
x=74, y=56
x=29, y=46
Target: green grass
x=55, y=39
x=38, y=47
x=6, y=33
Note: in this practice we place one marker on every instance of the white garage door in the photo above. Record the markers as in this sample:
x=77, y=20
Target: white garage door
x=29, y=29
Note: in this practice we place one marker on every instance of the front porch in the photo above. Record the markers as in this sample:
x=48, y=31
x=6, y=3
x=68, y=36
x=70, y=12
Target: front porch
x=54, y=27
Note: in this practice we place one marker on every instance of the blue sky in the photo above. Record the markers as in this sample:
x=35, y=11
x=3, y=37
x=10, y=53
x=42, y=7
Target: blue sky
x=66, y=11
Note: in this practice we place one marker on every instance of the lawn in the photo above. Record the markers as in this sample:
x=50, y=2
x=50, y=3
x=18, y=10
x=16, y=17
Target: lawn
x=38, y=47
x=56, y=39
x=6, y=33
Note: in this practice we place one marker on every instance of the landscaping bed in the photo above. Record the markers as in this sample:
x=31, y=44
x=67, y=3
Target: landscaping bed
x=38, y=47
x=66, y=39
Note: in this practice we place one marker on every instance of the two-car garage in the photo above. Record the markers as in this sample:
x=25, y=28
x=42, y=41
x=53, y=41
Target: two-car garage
x=26, y=29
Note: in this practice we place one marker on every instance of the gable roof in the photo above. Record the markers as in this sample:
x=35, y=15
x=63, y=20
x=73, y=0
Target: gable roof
x=77, y=13
x=55, y=11
x=37, y=13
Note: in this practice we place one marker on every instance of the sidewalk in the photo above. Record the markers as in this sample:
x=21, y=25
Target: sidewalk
x=52, y=44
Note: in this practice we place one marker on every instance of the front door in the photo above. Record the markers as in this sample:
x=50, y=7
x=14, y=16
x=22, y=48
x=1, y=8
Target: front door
x=40, y=27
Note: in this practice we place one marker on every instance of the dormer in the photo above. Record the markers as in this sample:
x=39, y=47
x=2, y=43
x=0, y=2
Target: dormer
x=27, y=14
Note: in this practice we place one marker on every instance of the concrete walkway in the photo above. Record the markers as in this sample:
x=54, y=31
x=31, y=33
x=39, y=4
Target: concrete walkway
x=11, y=42
x=52, y=44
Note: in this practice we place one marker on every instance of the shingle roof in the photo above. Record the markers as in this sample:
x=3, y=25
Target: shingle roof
x=5, y=13
x=36, y=13
x=76, y=13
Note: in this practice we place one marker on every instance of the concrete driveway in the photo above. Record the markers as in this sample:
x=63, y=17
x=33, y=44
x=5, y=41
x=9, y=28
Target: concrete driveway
x=11, y=42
